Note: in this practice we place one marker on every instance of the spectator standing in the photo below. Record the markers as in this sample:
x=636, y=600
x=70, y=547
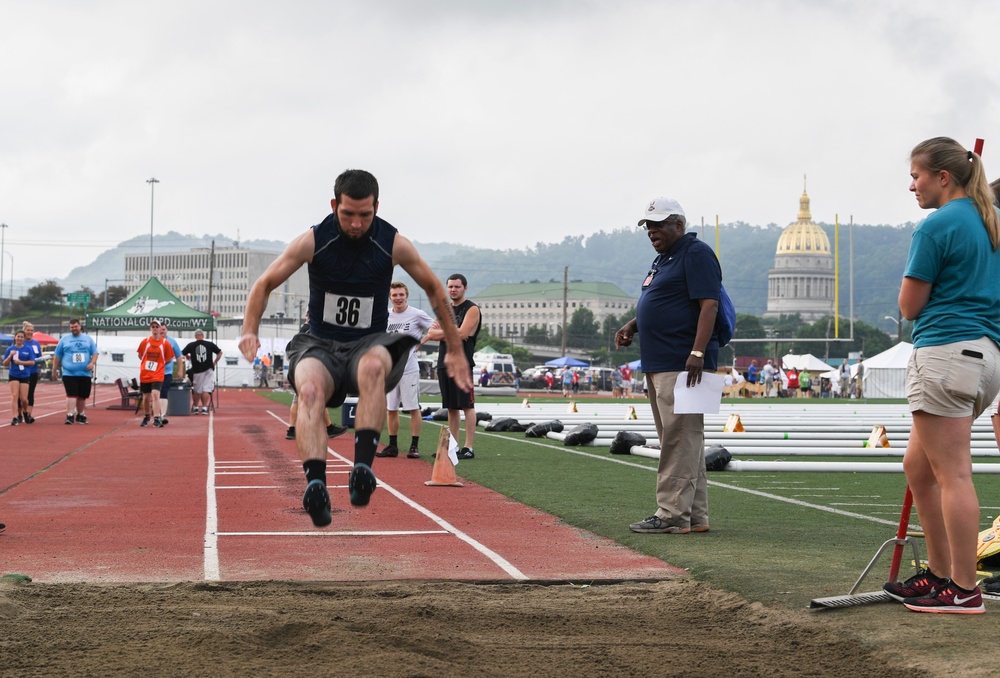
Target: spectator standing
x=950, y=292
x=805, y=383
x=860, y=377
x=844, y=373
x=34, y=370
x=675, y=320
x=626, y=381
x=405, y=319
x=74, y=359
x=767, y=376
x=457, y=401
x=175, y=365
x=204, y=356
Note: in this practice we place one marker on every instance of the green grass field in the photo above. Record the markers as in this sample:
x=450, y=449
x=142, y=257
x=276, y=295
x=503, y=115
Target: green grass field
x=778, y=538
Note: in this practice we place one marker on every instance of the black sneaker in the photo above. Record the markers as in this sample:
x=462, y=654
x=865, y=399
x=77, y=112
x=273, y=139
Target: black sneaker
x=20, y=418
x=361, y=484
x=389, y=450
x=145, y=421
x=69, y=420
x=414, y=453
x=948, y=598
x=333, y=430
x=290, y=433
x=316, y=502
x=919, y=585
x=466, y=453
x=157, y=423
x=164, y=421
x=14, y=421
x=28, y=419
x=81, y=419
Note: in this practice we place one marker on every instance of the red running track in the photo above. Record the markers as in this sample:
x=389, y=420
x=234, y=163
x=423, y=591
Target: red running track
x=219, y=498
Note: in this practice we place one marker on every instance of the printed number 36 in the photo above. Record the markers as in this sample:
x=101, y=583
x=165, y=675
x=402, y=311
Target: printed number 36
x=348, y=311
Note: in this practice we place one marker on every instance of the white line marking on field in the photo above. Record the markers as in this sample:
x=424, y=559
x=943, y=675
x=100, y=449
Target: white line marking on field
x=492, y=555
x=211, y=551
x=248, y=487
x=714, y=483
x=324, y=533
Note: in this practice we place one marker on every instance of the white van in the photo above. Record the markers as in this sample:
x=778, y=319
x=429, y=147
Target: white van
x=500, y=367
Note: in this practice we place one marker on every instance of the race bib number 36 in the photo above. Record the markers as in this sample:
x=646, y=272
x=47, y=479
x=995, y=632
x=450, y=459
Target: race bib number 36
x=344, y=311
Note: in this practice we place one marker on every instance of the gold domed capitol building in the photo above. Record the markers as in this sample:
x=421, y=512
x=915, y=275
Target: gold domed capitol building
x=802, y=279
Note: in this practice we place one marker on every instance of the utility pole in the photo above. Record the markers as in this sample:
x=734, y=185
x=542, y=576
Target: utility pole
x=565, y=303
x=152, y=189
x=211, y=275
x=3, y=230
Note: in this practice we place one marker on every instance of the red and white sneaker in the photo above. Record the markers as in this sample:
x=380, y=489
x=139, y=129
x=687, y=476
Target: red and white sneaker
x=949, y=599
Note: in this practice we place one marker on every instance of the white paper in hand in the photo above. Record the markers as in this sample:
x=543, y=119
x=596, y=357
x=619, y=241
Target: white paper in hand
x=453, y=450
x=703, y=398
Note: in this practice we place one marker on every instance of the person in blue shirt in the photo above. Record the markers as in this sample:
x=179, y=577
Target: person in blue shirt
x=18, y=361
x=36, y=352
x=168, y=369
x=675, y=321
x=951, y=293
x=74, y=360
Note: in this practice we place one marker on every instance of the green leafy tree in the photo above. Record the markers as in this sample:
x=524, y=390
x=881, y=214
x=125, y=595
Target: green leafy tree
x=536, y=335
x=583, y=331
x=115, y=294
x=45, y=296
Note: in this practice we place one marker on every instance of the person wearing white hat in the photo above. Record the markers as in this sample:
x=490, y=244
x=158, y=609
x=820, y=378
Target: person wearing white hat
x=675, y=321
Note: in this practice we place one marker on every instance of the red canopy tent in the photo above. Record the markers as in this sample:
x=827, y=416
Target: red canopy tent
x=45, y=339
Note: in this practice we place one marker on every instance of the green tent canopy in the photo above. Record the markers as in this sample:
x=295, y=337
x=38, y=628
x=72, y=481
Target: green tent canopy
x=150, y=302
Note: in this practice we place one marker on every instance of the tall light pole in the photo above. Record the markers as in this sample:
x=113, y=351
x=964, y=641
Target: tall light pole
x=152, y=190
x=3, y=230
x=899, y=328
x=11, y=276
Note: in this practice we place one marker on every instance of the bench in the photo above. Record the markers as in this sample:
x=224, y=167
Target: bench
x=130, y=398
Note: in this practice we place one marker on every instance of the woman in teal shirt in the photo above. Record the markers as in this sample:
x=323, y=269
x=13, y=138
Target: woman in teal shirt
x=951, y=291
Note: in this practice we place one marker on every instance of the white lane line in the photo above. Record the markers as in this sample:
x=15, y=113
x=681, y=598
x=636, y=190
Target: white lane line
x=365, y=533
x=492, y=555
x=211, y=548
x=248, y=487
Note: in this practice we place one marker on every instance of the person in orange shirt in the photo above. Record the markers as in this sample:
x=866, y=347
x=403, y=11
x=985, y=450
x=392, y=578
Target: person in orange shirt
x=154, y=353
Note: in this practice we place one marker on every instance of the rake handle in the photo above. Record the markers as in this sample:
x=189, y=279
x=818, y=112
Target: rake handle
x=904, y=524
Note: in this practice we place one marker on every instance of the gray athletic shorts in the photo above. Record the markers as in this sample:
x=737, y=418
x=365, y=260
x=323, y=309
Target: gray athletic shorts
x=341, y=359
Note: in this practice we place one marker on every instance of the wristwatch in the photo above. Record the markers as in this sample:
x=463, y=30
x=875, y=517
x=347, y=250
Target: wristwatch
x=698, y=354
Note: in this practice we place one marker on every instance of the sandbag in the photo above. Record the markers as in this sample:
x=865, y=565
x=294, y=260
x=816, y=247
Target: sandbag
x=502, y=425
x=581, y=434
x=539, y=430
x=484, y=416
x=716, y=458
x=625, y=441
x=440, y=415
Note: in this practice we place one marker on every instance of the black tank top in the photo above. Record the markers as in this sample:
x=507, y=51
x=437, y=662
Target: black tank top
x=469, y=344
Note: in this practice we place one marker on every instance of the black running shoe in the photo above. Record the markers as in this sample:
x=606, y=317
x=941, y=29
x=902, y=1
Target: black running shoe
x=948, y=598
x=81, y=419
x=157, y=423
x=164, y=421
x=333, y=430
x=361, y=484
x=388, y=451
x=145, y=421
x=290, y=433
x=921, y=584
x=69, y=420
x=14, y=421
x=414, y=453
x=28, y=419
x=316, y=502
x=466, y=453
x=20, y=418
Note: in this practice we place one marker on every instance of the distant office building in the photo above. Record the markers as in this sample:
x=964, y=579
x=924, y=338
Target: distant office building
x=802, y=279
x=234, y=271
x=510, y=309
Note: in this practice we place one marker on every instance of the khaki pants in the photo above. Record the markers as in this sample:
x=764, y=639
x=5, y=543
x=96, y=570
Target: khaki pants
x=681, y=485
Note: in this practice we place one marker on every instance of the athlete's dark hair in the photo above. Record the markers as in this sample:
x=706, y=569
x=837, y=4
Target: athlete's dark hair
x=460, y=277
x=357, y=184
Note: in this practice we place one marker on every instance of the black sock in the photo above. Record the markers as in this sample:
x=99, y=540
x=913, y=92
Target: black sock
x=365, y=444
x=415, y=441
x=392, y=440
x=315, y=470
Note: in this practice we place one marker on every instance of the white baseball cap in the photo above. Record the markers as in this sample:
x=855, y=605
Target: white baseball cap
x=660, y=209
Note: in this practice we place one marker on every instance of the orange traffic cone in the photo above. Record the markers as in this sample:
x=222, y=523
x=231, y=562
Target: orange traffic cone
x=443, y=473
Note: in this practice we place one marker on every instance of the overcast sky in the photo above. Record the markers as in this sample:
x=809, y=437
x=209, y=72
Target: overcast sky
x=493, y=124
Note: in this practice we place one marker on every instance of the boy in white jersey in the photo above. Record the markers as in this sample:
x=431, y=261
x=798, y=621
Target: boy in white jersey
x=405, y=319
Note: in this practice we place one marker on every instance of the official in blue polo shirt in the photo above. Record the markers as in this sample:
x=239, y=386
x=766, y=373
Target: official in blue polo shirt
x=675, y=320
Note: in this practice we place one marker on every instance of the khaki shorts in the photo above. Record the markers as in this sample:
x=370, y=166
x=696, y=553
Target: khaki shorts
x=203, y=382
x=949, y=382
